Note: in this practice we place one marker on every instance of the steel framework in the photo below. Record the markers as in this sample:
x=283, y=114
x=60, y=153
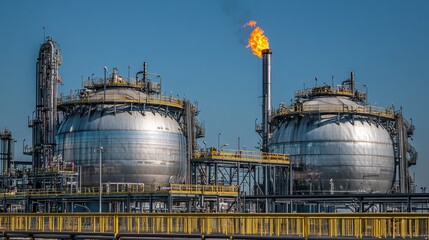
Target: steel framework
x=257, y=173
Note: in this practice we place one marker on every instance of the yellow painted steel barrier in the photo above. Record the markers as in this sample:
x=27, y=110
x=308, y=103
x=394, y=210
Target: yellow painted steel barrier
x=242, y=155
x=330, y=225
x=203, y=189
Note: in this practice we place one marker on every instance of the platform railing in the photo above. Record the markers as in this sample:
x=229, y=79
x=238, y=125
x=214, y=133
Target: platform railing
x=327, y=225
x=203, y=189
x=242, y=155
x=116, y=189
x=340, y=108
x=156, y=99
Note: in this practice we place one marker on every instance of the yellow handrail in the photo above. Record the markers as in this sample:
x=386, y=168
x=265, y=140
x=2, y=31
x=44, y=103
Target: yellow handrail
x=242, y=155
x=129, y=188
x=327, y=225
x=203, y=189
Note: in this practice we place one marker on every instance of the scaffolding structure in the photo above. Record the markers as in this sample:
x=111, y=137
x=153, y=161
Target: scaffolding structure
x=256, y=173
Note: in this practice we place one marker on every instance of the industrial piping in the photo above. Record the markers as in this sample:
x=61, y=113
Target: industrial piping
x=266, y=98
x=45, y=120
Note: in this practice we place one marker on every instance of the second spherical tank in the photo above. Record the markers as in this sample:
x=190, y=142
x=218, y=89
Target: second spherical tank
x=141, y=143
x=343, y=152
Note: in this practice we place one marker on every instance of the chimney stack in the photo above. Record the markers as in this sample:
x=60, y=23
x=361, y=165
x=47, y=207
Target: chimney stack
x=266, y=98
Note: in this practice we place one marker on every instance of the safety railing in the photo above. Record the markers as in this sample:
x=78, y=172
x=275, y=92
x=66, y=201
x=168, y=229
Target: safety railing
x=128, y=189
x=328, y=225
x=322, y=109
x=242, y=155
x=149, y=99
x=111, y=189
x=106, y=190
x=204, y=189
x=97, y=82
x=324, y=90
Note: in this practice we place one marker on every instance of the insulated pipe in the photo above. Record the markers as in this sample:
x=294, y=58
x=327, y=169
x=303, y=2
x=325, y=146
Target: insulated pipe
x=266, y=98
x=105, y=83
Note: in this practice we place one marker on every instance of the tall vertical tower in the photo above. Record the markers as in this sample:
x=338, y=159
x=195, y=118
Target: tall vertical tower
x=44, y=121
x=6, y=151
x=266, y=98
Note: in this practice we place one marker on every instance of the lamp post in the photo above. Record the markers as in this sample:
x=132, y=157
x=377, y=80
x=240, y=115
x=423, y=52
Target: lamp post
x=218, y=141
x=82, y=206
x=104, y=94
x=101, y=185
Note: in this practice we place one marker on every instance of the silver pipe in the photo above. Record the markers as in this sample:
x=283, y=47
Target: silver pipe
x=100, y=190
x=52, y=104
x=266, y=97
x=402, y=152
x=52, y=97
x=104, y=94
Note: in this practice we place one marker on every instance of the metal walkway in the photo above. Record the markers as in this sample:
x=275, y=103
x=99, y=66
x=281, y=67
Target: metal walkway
x=220, y=226
x=72, y=100
x=151, y=198
x=242, y=156
x=256, y=173
x=130, y=189
x=368, y=110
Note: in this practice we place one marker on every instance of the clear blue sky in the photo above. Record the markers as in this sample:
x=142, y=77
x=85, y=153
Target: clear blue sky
x=199, y=49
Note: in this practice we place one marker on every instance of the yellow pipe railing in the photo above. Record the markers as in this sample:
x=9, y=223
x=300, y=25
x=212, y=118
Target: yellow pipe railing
x=203, y=189
x=130, y=188
x=332, y=225
x=242, y=155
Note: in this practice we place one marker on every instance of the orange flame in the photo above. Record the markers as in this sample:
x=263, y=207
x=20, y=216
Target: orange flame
x=251, y=23
x=257, y=40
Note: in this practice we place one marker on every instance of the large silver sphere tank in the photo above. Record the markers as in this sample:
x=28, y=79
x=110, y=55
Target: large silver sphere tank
x=141, y=144
x=336, y=153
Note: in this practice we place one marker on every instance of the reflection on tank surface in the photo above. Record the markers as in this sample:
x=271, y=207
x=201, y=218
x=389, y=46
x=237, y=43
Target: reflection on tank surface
x=142, y=133
x=336, y=142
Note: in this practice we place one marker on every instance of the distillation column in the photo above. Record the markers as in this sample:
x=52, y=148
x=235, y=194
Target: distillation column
x=44, y=123
x=6, y=151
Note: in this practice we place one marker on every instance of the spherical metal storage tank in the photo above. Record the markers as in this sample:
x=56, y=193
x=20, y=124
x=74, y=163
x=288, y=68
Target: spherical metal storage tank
x=335, y=146
x=142, y=143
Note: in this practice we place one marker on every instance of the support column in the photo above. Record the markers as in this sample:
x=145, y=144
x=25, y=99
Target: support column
x=216, y=170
